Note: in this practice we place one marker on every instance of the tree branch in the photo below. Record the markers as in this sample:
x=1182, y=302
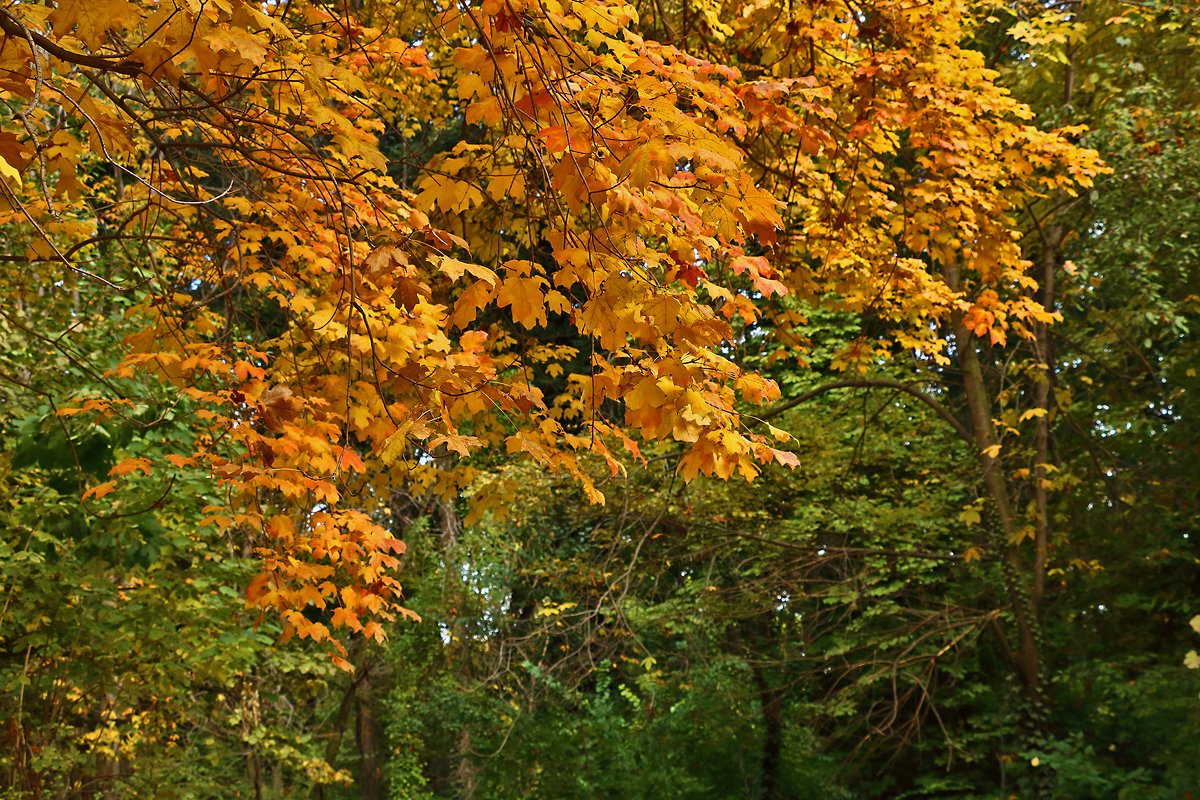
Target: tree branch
x=122, y=66
x=876, y=383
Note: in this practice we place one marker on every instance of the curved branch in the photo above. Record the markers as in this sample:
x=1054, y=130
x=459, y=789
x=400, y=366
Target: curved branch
x=877, y=383
x=123, y=66
x=843, y=551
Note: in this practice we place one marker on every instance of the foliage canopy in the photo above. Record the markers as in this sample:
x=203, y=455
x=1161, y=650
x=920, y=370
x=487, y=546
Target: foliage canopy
x=505, y=293
x=572, y=276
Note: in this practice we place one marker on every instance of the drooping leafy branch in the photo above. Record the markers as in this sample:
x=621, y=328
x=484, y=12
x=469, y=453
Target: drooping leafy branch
x=342, y=333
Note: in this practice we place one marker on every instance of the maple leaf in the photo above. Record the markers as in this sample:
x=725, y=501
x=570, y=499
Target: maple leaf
x=100, y=490
x=277, y=406
x=646, y=163
x=455, y=269
x=526, y=298
x=131, y=465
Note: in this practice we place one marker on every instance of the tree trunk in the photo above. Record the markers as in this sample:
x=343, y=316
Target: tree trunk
x=771, y=704
x=367, y=735
x=1027, y=658
x=334, y=745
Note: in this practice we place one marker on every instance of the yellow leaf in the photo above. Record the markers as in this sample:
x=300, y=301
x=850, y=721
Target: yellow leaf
x=9, y=172
x=455, y=269
x=524, y=296
x=780, y=435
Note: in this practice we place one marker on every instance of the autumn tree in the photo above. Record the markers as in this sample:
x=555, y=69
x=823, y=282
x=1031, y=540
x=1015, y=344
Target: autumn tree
x=363, y=250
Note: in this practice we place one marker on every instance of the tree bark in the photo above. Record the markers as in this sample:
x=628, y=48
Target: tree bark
x=771, y=704
x=979, y=408
x=370, y=781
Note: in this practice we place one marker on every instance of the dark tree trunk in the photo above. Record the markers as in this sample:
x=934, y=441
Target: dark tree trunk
x=367, y=734
x=771, y=704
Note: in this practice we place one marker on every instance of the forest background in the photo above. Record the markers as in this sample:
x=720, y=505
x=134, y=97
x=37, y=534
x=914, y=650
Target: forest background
x=574, y=398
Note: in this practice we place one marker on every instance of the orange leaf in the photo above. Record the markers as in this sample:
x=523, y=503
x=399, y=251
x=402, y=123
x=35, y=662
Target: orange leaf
x=131, y=465
x=99, y=490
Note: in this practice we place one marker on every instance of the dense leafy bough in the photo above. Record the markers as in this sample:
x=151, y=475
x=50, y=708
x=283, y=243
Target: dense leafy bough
x=568, y=277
